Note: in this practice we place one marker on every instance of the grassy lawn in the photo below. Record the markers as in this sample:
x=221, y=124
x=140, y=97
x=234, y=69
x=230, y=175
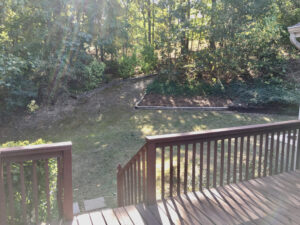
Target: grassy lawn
x=104, y=139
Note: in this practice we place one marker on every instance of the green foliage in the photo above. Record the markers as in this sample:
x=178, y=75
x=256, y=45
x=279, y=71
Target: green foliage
x=258, y=92
x=94, y=74
x=16, y=82
x=48, y=48
x=187, y=88
x=15, y=173
x=264, y=92
x=127, y=65
x=32, y=106
x=149, y=59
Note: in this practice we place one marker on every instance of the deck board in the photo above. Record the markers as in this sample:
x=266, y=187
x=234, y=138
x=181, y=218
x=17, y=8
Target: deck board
x=267, y=200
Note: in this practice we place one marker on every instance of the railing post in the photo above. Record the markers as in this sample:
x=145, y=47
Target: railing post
x=2, y=196
x=120, y=184
x=151, y=176
x=298, y=152
x=67, y=184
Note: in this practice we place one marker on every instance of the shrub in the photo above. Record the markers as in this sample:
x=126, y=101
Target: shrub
x=17, y=88
x=257, y=92
x=15, y=173
x=94, y=74
x=149, y=59
x=127, y=66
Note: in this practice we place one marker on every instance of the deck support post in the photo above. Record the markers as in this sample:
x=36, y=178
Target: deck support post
x=298, y=152
x=2, y=197
x=151, y=176
x=120, y=184
x=67, y=185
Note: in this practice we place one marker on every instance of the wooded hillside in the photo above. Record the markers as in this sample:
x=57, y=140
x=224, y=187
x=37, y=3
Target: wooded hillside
x=50, y=48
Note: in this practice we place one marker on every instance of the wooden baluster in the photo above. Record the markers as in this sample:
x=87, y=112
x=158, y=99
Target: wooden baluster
x=124, y=187
x=235, y=159
x=287, y=163
x=134, y=182
x=208, y=165
x=247, y=158
x=128, y=185
x=46, y=167
x=260, y=154
x=186, y=167
x=201, y=167
x=222, y=163
x=298, y=152
x=178, y=169
x=3, y=215
x=266, y=154
x=254, y=156
x=171, y=170
x=282, y=152
x=293, y=150
x=271, y=155
x=10, y=192
x=215, y=163
x=35, y=191
x=131, y=185
x=163, y=173
x=277, y=152
x=67, y=184
x=229, y=161
x=241, y=159
x=139, y=179
x=193, y=167
x=120, y=186
x=59, y=186
x=151, y=173
x=144, y=173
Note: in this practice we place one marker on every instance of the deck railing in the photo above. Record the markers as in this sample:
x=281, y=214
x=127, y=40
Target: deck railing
x=169, y=165
x=34, y=181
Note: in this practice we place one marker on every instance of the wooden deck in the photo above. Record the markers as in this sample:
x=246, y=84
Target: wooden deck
x=268, y=200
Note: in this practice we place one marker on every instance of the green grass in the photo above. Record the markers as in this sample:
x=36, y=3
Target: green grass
x=104, y=139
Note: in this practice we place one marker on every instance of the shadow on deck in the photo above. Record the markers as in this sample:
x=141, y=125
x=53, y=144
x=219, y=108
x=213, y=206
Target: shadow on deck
x=268, y=200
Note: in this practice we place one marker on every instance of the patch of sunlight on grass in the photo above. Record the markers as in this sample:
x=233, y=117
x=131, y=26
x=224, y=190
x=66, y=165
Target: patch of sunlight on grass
x=238, y=116
x=199, y=127
x=99, y=118
x=182, y=121
x=148, y=130
x=267, y=119
x=97, y=143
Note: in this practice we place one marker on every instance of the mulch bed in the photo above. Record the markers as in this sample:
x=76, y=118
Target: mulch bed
x=180, y=101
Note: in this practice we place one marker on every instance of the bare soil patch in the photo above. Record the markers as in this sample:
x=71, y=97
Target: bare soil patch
x=183, y=101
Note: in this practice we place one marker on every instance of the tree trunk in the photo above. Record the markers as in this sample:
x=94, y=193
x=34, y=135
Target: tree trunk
x=153, y=21
x=212, y=43
x=149, y=20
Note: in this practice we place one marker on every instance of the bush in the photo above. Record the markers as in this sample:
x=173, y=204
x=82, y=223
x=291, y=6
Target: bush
x=94, y=74
x=264, y=92
x=258, y=92
x=15, y=173
x=127, y=65
x=149, y=59
x=17, y=88
x=185, y=88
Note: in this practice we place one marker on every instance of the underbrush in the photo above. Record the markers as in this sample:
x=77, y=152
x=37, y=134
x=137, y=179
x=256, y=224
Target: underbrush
x=257, y=92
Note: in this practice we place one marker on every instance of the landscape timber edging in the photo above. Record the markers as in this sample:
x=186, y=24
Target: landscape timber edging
x=225, y=108
x=201, y=108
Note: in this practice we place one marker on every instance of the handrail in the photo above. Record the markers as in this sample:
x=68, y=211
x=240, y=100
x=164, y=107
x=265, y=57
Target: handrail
x=221, y=132
x=17, y=156
x=208, y=159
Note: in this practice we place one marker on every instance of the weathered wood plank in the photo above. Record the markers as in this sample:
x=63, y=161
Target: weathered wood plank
x=110, y=217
